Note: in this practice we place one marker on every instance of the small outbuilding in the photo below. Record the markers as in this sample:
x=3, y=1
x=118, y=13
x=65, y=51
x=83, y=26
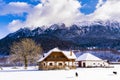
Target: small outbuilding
x=89, y=60
x=57, y=59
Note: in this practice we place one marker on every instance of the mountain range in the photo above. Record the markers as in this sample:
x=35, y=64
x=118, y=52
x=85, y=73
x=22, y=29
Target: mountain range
x=83, y=35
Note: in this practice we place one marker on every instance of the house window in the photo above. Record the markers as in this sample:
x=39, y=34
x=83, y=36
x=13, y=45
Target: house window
x=65, y=64
x=98, y=64
x=44, y=64
x=60, y=64
x=51, y=64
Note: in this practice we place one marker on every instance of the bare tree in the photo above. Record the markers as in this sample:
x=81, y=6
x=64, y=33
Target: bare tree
x=25, y=51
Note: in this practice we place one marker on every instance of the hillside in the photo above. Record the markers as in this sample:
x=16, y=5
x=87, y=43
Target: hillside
x=97, y=34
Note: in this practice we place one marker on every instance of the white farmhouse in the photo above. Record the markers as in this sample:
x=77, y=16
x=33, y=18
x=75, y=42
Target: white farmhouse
x=89, y=60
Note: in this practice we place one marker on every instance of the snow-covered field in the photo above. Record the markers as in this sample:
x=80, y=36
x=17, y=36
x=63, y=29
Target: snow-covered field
x=83, y=74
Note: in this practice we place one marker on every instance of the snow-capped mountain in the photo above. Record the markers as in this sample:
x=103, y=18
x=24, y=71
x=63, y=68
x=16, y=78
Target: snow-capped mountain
x=100, y=34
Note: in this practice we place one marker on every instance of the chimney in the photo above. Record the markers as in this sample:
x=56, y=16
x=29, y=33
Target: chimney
x=70, y=52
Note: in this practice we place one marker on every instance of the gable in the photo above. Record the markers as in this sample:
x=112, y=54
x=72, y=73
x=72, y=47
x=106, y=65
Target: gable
x=62, y=55
x=87, y=56
x=56, y=56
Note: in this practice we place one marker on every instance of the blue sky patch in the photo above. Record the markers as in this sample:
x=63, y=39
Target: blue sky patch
x=88, y=6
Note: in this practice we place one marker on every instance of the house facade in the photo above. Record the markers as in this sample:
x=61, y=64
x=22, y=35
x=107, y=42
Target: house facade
x=89, y=60
x=57, y=59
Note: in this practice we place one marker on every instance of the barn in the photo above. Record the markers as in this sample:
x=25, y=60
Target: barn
x=89, y=60
x=57, y=59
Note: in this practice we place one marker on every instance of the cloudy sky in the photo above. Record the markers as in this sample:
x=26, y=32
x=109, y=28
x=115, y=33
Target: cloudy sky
x=16, y=14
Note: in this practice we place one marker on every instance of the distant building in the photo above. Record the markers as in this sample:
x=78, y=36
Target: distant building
x=89, y=60
x=57, y=59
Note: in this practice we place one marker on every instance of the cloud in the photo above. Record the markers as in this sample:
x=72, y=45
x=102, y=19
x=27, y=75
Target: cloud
x=49, y=12
x=100, y=3
x=14, y=8
x=1, y=34
x=55, y=11
x=15, y=25
x=109, y=11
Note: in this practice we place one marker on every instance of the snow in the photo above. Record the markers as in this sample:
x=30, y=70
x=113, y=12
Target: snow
x=83, y=74
x=87, y=56
x=69, y=54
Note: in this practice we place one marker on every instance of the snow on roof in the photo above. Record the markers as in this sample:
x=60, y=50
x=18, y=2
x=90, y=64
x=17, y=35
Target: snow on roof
x=87, y=56
x=66, y=53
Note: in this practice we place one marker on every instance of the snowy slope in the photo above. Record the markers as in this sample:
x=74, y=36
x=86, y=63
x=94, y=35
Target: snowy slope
x=83, y=74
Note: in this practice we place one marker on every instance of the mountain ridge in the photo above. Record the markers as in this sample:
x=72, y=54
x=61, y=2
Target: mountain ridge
x=97, y=34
